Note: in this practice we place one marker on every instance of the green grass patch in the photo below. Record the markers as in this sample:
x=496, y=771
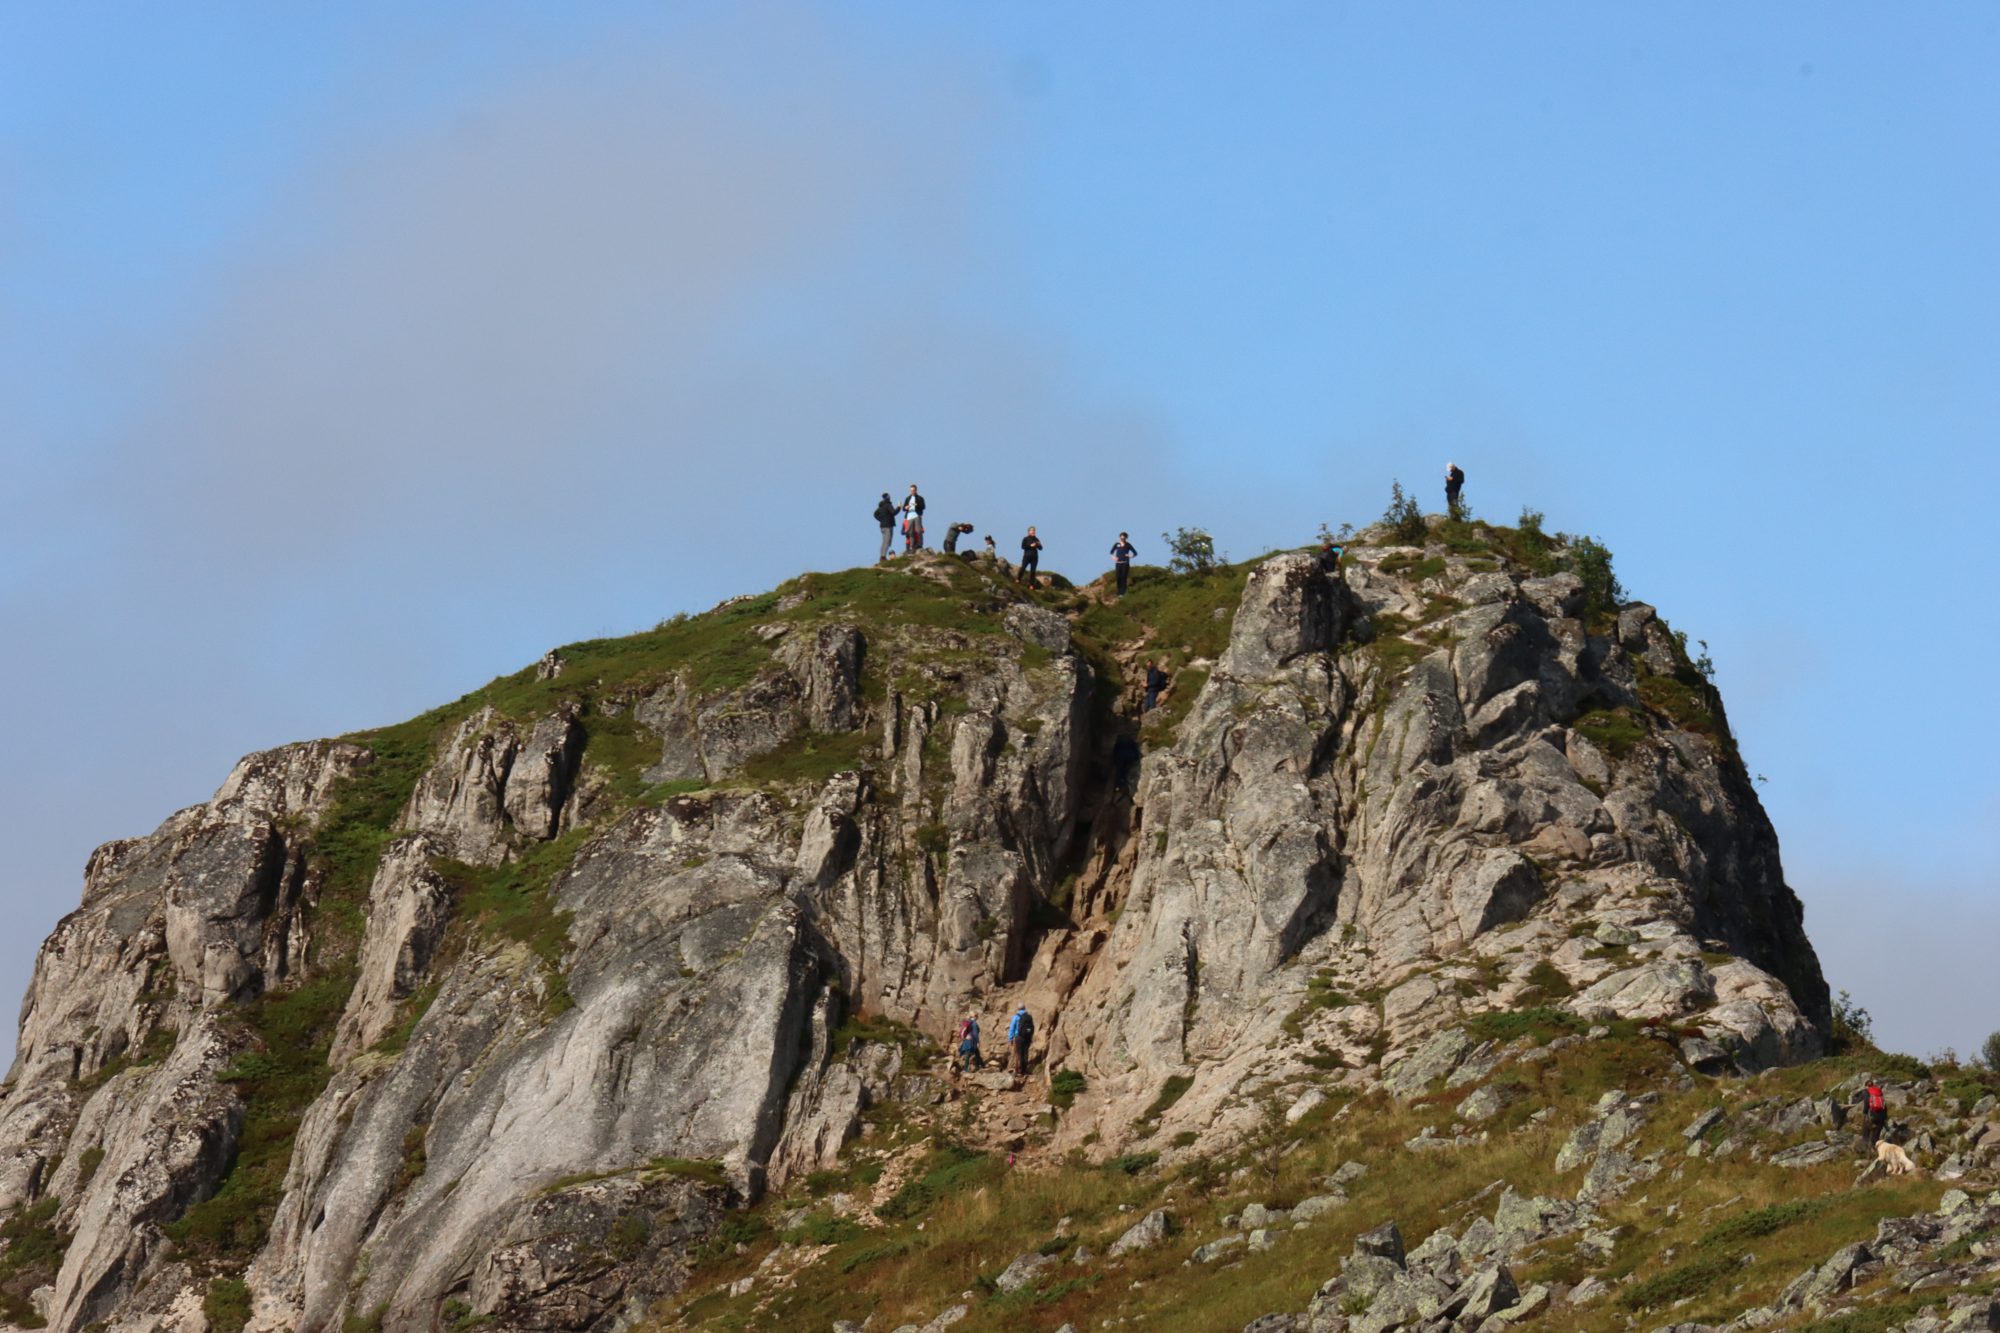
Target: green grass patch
x=1734, y=1232
x=34, y=1254
x=1320, y=994
x=1542, y=1023
x=915, y=1046
x=1131, y=1163
x=1064, y=1087
x=1612, y=730
x=1549, y=982
x=1683, y=1281
x=227, y=1304
x=949, y=1168
x=823, y=1229
x=810, y=756
x=515, y=901
x=1171, y=1091
x=277, y=1082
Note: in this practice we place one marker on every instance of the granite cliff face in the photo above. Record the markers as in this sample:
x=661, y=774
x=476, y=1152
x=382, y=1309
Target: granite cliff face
x=498, y=1013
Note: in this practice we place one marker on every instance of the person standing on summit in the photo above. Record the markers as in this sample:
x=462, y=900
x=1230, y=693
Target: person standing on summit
x=1031, y=557
x=885, y=515
x=1122, y=552
x=913, y=521
x=1454, y=481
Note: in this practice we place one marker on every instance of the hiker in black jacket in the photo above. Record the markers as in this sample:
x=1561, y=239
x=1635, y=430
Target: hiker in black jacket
x=1454, y=481
x=1031, y=557
x=885, y=514
x=1122, y=552
x=1156, y=680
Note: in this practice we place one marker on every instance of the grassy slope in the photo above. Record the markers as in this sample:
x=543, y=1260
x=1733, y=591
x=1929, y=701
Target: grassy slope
x=983, y=1214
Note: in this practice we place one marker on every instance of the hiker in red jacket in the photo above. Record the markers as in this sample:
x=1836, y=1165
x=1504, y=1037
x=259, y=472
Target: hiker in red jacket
x=1878, y=1111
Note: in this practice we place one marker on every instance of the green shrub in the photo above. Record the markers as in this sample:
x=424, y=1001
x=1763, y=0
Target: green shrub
x=1193, y=550
x=1590, y=560
x=1064, y=1087
x=1405, y=517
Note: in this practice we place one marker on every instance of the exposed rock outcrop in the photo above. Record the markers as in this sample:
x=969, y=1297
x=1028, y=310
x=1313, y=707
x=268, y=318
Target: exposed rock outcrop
x=554, y=976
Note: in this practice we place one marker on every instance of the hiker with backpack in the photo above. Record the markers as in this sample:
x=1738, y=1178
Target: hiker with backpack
x=913, y=521
x=1122, y=552
x=1020, y=1036
x=1454, y=481
x=1156, y=680
x=968, y=1044
x=1329, y=558
x=885, y=515
x=1031, y=557
x=1876, y=1104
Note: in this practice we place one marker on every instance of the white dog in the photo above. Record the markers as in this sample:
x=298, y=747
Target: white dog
x=1895, y=1159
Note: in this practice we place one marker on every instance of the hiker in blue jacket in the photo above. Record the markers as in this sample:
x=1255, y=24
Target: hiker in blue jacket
x=1021, y=1035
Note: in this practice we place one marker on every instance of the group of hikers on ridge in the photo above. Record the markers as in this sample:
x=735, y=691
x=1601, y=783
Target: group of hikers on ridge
x=1020, y=1036
x=908, y=518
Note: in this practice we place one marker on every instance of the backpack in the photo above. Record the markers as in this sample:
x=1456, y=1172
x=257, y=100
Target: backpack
x=1876, y=1102
x=1024, y=1026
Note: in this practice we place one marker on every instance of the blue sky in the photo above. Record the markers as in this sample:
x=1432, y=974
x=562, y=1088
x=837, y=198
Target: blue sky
x=351, y=355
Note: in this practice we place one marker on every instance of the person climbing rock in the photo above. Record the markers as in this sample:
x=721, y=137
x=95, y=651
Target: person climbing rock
x=1156, y=680
x=968, y=1044
x=1876, y=1104
x=1329, y=557
x=913, y=521
x=1122, y=552
x=885, y=515
x=1031, y=557
x=1124, y=763
x=1454, y=482
x=1020, y=1036
x=951, y=535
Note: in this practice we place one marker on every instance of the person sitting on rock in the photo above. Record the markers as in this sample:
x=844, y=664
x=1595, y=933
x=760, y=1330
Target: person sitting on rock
x=968, y=1043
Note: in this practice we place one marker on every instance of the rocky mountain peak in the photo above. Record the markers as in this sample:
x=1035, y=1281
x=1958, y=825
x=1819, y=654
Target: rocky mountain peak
x=644, y=931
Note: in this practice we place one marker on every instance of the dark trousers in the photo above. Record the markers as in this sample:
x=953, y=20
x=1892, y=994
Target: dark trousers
x=1021, y=1054
x=1030, y=561
x=1877, y=1122
x=1124, y=576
